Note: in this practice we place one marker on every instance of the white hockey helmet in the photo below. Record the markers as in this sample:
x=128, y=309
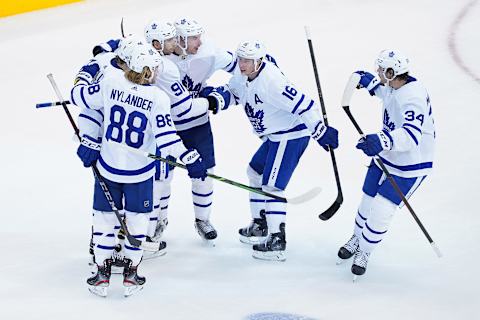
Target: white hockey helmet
x=144, y=56
x=394, y=60
x=127, y=46
x=159, y=31
x=252, y=49
x=188, y=28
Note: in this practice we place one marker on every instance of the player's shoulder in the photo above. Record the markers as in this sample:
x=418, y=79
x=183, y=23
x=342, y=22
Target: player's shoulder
x=271, y=76
x=170, y=69
x=411, y=92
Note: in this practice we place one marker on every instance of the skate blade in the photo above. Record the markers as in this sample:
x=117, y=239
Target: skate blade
x=131, y=290
x=98, y=291
x=152, y=255
x=269, y=255
x=341, y=261
x=252, y=240
x=354, y=279
x=208, y=243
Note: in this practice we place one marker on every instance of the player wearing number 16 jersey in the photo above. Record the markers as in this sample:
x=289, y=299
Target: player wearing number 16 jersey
x=136, y=115
x=284, y=118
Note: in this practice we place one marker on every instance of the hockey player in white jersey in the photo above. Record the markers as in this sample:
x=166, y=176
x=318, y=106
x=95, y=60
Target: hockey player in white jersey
x=136, y=115
x=405, y=145
x=284, y=118
x=195, y=62
x=163, y=37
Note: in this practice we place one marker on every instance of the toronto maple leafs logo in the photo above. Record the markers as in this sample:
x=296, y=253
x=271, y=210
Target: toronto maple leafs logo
x=190, y=85
x=154, y=26
x=386, y=121
x=391, y=54
x=255, y=117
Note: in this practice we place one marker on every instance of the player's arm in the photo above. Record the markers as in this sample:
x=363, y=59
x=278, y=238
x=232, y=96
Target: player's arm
x=109, y=46
x=169, y=143
x=409, y=134
x=287, y=97
x=225, y=60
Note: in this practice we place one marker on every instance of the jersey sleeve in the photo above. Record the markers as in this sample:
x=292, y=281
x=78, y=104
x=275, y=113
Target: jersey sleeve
x=90, y=124
x=88, y=96
x=225, y=60
x=287, y=97
x=410, y=133
x=166, y=138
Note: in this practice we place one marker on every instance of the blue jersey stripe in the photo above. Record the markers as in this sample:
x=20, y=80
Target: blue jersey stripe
x=91, y=119
x=168, y=144
x=308, y=108
x=181, y=114
x=165, y=133
x=297, y=128
x=412, y=167
x=298, y=103
x=122, y=172
x=412, y=126
x=180, y=102
x=411, y=135
x=83, y=97
x=276, y=212
x=189, y=119
x=72, y=96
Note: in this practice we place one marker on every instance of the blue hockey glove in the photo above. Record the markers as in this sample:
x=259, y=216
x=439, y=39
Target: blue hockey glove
x=368, y=81
x=326, y=136
x=88, y=151
x=195, y=166
x=218, y=98
x=87, y=73
x=375, y=143
x=109, y=46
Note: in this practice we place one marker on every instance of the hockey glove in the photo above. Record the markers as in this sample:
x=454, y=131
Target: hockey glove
x=88, y=151
x=87, y=74
x=109, y=46
x=218, y=98
x=193, y=161
x=368, y=81
x=375, y=143
x=326, y=136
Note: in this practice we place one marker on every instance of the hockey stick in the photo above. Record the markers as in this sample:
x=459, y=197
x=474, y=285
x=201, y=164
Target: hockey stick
x=295, y=200
x=51, y=104
x=121, y=28
x=327, y=214
x=347, y=94
x=145, y=245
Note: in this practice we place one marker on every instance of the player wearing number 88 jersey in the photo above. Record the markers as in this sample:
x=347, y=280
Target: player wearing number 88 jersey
x=136, y=115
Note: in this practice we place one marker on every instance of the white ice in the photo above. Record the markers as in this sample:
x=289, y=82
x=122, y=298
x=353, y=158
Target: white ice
x=46, y=193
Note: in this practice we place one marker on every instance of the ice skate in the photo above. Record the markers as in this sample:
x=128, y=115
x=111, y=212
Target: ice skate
x=99, y=282
x=159, y=229
x=131, y=280
x=206, y=231
x=118, y=256
x=359, y=265
x=273, y=248
x=161, y=251
x=256, y=232
x=347, y=250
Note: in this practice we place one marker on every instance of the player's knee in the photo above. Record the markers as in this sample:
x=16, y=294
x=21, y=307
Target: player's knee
x=383, y=210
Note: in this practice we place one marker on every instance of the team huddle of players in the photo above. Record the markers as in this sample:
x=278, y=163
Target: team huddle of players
x=149, y=94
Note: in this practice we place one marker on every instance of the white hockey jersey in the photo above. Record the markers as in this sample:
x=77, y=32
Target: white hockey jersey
x=186, y=111
x=90, y=121
x=195, y=70
x=407, y=116
x=275, y=107
x=137, y=116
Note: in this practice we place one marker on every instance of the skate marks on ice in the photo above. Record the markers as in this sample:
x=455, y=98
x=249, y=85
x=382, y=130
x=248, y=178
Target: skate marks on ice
x=276, y=316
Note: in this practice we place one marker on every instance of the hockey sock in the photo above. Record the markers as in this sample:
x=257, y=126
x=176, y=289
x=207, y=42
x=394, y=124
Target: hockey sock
x=276, y=210
x=362, y=215
x=202, y=196
x=105, y=225
x=137, y=224
x=257, y=201
x=377, y=223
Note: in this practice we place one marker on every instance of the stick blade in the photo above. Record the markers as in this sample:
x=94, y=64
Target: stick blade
x=307, y=196
x=327, y=214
